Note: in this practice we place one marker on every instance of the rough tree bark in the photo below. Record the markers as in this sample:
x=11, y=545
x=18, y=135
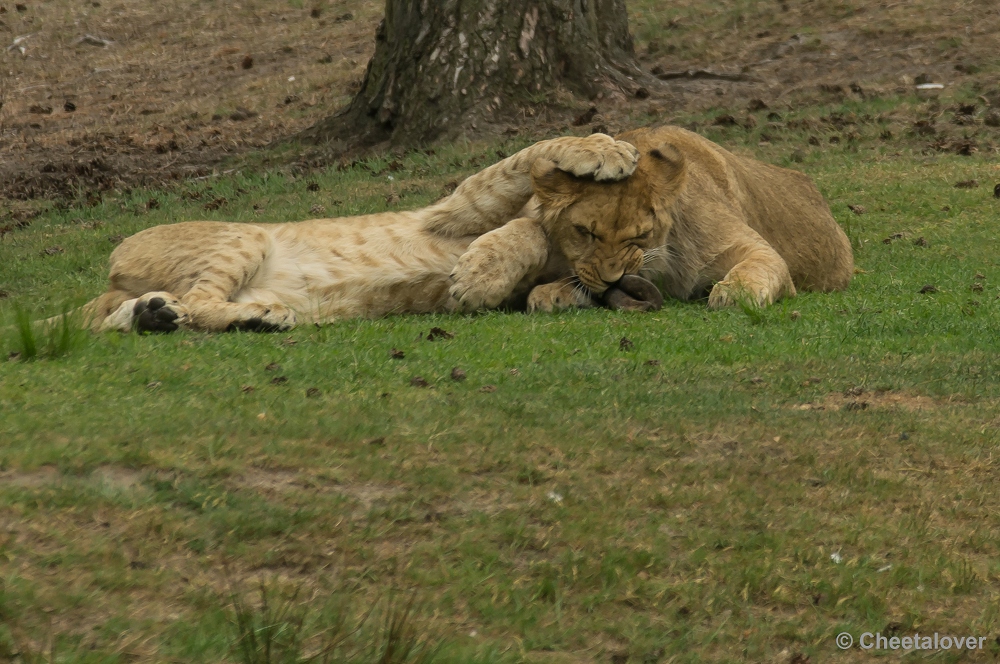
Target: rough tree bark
x=444, y=66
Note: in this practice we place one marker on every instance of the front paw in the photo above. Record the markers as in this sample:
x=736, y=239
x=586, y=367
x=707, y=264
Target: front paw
x=729, y=294
x=556, y=297
x=602, y=158
x=478, y=283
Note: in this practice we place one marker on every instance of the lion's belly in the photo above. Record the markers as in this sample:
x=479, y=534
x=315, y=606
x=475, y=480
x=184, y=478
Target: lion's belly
x=339, y=270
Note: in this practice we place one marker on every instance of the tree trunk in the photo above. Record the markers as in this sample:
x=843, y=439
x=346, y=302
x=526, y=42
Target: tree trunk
x=443, y=67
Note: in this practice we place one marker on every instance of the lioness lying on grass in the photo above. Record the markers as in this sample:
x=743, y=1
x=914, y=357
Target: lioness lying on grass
x=693, y=217
x=561, y=221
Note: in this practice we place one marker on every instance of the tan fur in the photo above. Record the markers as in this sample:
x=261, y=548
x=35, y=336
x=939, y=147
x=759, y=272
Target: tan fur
x=693, y=217
x=217, y=275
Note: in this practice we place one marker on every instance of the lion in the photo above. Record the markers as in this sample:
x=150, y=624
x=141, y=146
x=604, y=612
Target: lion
x=217, y=276
x=568, y=222
x=693, y=218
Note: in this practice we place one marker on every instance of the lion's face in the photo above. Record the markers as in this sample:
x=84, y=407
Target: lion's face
x=605, y=228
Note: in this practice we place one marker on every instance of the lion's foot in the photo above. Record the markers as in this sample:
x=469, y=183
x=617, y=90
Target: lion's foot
x=489, y=271
x=153, y=312
x=729, y=294
x=557, y=296
x=598, y=156
x=481, y=280
x=158, y=312
x=267, y=318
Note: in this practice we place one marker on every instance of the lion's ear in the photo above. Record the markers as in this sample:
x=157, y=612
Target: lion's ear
x=554, y=188
x=670, y=169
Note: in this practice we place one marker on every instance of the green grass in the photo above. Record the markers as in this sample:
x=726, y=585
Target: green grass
x=569, y=501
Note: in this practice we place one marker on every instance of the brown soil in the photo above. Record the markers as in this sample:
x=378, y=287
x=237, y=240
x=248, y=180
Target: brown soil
x=177, y=88
x=861, y=400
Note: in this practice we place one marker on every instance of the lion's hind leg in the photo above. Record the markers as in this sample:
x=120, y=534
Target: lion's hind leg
x=202, y=309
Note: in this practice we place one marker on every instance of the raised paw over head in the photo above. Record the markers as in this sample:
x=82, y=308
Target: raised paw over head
x=601, y=157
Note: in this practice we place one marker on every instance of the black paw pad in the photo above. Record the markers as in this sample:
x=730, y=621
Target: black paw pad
x=154, y=316
x=633, y=293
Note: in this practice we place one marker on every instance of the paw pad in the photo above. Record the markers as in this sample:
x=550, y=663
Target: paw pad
x=154, y=316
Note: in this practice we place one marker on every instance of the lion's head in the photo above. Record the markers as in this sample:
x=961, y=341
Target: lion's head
x=604, y=228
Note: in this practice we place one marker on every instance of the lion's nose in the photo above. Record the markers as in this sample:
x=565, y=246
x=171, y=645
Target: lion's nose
x=610, y=274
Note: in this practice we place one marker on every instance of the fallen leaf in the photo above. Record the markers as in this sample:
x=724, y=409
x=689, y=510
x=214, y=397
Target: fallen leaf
x=418, y=381
x=438, y=333
x=488, y=388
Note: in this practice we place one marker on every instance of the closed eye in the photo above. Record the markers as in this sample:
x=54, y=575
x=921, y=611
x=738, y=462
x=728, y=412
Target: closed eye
x=644, y=236
x=585, y=232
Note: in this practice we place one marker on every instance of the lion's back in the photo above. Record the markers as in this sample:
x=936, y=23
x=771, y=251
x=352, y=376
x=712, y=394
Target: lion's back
x=783, y=206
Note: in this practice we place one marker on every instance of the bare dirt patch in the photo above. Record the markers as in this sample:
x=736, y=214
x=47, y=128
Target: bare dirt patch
x=780, y=53
x=104, y=96
x=285, y=482
x=101, y=95
x=42, y=476
x=861, y=400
